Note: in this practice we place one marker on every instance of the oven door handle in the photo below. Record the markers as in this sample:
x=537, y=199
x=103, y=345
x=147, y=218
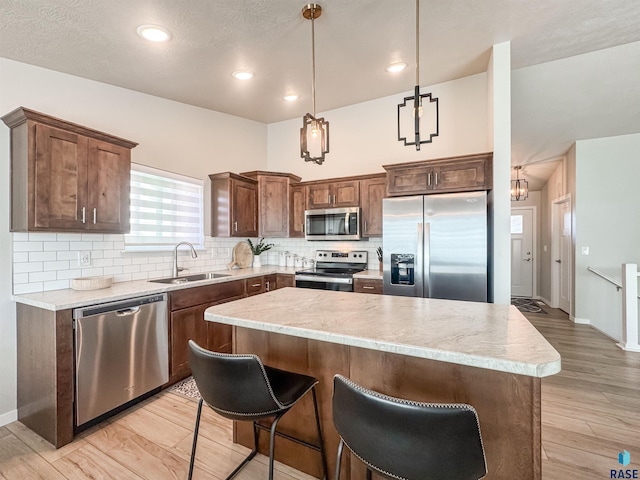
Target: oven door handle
x=313, y=278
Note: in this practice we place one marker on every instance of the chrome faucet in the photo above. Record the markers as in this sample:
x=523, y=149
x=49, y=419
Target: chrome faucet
x=175, y=257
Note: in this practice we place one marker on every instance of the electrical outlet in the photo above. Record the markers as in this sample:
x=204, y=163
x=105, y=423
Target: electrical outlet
x=585, y=250
x=84, y=258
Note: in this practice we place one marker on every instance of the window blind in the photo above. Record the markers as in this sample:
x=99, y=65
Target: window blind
x=166, y=208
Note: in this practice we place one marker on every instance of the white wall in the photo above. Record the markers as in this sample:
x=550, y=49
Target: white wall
x=607, y=221
x=172, y=136
x=363, y=137
x=499, y=96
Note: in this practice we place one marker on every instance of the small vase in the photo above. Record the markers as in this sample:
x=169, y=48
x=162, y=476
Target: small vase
x=380, y=265
x=257, y=261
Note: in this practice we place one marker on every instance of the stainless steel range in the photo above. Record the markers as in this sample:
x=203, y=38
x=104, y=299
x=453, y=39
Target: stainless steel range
x=333, y=271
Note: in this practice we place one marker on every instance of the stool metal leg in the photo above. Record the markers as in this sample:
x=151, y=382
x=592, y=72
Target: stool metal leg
x=320, y=439
x=248, y=457
x=272, y=443
x=195, y=439
x=339, y=458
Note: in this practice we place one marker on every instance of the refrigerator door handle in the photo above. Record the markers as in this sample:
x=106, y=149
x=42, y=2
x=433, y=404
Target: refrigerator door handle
x=419, y=277
x=426, y=263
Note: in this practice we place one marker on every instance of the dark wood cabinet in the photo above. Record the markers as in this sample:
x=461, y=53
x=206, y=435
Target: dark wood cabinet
x=456, y=174
x=297, y=206
x=367, y=285
x=329, y=194
x=285, y=280
x=273, y=202
x=186, y=322
x=66, y=177
x=372, y=191
x=234, y=205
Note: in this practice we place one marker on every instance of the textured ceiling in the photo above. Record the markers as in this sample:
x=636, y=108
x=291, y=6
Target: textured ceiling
x=355, y=40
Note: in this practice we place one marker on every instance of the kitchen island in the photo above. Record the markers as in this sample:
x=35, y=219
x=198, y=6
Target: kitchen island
x=431, y=350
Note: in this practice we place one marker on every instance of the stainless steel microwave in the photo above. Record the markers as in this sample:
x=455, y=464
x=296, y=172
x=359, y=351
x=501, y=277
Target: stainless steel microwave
x=332, y=224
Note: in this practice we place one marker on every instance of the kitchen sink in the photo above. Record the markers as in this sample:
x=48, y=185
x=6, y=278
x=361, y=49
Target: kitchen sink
x=190, y=278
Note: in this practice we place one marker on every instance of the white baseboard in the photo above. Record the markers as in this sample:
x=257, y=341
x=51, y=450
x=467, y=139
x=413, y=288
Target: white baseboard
x=581, y=321
x=548, y=302
x=628, y=348
x=8, y=417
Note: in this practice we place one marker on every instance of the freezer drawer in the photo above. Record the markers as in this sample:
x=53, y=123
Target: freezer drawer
x=121, y=353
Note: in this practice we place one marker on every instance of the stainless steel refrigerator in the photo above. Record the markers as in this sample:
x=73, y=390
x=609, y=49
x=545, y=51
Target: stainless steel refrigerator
x=435, y=246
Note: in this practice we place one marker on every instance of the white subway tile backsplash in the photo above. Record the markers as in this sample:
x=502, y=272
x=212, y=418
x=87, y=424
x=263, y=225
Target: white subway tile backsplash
x=112, y=270
x=92, y=272
x=67, y=274
x=56, y=285
x=27, y=246
x=27, y=288
x=42, y=256
x=114, y=237
x=102, y=262
x=42, y=277
x=19, y=257
x=20, y=278
x=140, y=276
x=72, y=256
x=68, y=237
x=125, y=277
x=92, y=237
x=28, y=267
x=55, y=246
x=111, y=254
x=139, y=260
x=121, y=261
x=57, y=265
x=131, y=269
x=102, y=246
x=43, y=237
x=80, y=245
x=20, y=237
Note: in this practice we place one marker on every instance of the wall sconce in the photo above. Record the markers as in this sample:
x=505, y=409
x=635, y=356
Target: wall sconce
x=417, y=117
x=519, y=187
x=314, y=134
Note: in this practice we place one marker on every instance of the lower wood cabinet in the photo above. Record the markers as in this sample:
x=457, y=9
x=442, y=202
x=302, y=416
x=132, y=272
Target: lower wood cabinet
x=367, y=285
x=186, y=322
x=285, y=280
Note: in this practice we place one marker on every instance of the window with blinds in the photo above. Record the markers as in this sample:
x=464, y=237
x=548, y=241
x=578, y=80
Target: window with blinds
x=166, y=208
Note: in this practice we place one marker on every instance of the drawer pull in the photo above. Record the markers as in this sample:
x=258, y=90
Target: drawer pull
x=256, y=285
x=368, y=288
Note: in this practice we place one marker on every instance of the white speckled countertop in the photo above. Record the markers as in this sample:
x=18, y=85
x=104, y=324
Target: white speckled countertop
x=484, y=335
x=369, y=275
x=68, y=298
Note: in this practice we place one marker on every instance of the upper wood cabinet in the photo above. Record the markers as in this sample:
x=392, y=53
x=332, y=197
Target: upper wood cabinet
x=297, y=205
x=234, y=205
x=372, y=192
x=273, y=202
x=329, y=194
x=454, y=174
x=66, y=177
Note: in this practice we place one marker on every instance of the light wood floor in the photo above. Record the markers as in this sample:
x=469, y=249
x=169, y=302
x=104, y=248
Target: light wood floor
x=590, y=412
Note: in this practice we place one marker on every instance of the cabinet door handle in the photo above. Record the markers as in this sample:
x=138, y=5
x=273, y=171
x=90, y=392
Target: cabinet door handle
x=436, y=179
x=256, y=285
x=428, y=179
x=367, y=287
x=235, y=226
x=84, y=215
x=267, y=285
x=94, y=215
x=365, y=225
x=302, y=225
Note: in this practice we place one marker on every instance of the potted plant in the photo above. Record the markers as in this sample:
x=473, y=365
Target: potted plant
x=379, y=252
x=258, y=249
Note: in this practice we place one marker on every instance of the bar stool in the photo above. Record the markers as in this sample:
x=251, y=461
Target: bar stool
x=406, y=440
x=241, y=388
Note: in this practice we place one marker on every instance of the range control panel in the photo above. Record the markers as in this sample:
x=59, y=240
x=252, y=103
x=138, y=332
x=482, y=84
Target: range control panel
x=357, y=256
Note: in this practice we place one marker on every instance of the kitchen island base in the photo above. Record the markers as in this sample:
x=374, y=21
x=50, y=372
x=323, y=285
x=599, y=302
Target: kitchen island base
x=508, y=404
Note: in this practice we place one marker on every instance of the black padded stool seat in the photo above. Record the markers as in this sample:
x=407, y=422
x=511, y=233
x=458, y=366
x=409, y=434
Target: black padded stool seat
x=241, y=388
x=407, y=440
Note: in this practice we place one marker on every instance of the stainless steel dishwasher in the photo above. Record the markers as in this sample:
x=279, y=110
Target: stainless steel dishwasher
x=121, y=353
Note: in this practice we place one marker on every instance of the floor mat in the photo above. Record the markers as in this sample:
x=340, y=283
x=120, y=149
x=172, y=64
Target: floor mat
x=186, y=388
x=528, y=305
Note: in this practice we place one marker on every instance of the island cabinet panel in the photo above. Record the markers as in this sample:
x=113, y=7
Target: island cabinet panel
x=310, y=357
x=45, y=372
x=454, y=174
x=297, y=205
x=508, y=405
x=367, y=285
x=372, y=193
x=66, y=177
x=234, y=205
x=186, y=322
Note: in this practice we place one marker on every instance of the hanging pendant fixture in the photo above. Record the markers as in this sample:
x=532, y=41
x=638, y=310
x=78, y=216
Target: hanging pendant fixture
x=415, y=110
x=519, y=187
x=314, y=134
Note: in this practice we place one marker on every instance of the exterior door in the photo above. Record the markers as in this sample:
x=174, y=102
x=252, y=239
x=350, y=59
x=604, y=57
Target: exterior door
x=522, y=258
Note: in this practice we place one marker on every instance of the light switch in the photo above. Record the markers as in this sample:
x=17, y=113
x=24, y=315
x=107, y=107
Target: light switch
x=585, y=250
x=544, y=248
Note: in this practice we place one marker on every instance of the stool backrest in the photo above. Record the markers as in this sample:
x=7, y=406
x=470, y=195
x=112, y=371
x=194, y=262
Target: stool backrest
x=408, y=440
x=235, y=386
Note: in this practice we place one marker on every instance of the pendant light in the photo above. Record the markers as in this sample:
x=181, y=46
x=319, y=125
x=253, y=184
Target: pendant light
x=314, y=134
x=418, y=116
x=519, y=188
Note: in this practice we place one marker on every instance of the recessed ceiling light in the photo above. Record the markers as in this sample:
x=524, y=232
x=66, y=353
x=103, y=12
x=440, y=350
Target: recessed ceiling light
x=242, y=75
x=396, y=67
x=154, y=33
x=291, y=97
